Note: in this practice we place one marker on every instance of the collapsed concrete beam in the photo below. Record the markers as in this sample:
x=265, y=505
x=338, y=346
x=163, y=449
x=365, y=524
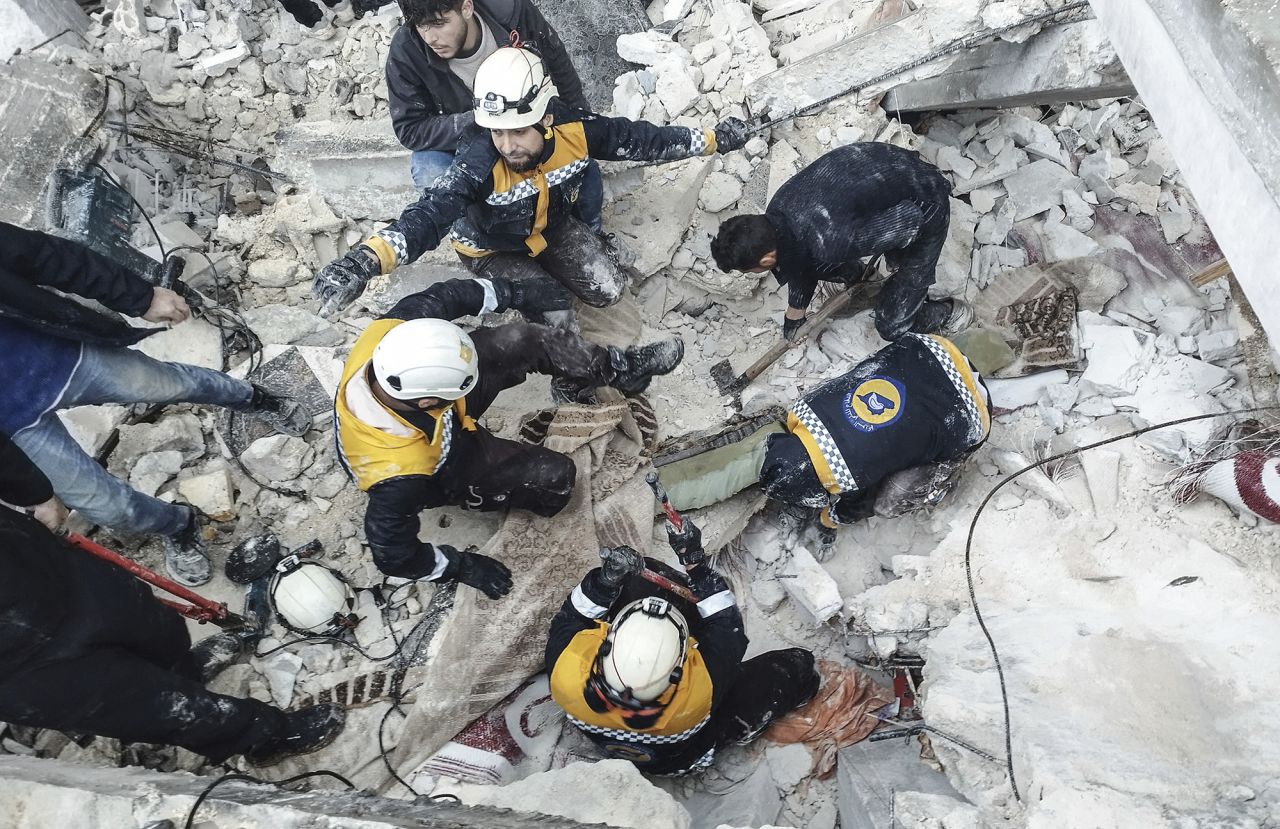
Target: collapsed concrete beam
x=1207, y=71
x=1071, y=62
x=359, y=168
x=28, y=23
x=49, y=794
x=44, y=111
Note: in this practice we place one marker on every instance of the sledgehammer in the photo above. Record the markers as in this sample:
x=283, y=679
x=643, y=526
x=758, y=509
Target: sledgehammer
x=674, y=520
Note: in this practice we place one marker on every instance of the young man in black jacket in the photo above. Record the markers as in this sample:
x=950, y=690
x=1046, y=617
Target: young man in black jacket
x=507, y=200
x=660, y=681
x=855, y=202
x=431, y=72
x=86, y=647
x=58, y=353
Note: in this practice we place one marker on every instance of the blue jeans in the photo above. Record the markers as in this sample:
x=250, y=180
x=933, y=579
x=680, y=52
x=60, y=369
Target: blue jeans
x=428, y=165
x=125, y=376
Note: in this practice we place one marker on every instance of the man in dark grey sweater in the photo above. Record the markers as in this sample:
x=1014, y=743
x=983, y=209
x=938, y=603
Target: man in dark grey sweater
x=855, y=202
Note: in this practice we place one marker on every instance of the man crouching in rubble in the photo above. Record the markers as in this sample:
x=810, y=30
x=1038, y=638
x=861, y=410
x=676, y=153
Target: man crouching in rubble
x=86, y=647
x=512, y=191
x=658, y=680
x=855, y=202
x=888, y=437
x=59, y=353
x=407, y=405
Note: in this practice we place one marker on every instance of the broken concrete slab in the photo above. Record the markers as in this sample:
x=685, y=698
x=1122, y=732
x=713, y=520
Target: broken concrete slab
x=360, y=168
x=212, y=492
x=661, y=210
x=1015, y=392
x=93, y=426
x=1071, y=62
x=1118, y=357
x=810, y=586
x=870, y=776
x=1038, y=186
x=31, y=22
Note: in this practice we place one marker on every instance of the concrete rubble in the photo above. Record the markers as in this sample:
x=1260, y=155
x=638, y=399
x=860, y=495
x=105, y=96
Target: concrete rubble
x=1053, y=197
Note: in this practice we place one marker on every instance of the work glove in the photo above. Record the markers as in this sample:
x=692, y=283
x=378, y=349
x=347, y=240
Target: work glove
x=340, y=282
x=791, y=328
x=617, y=564
x=488, y=575
x=687, y=542
x=531, y=296
x=731, y=134
x=706, y=582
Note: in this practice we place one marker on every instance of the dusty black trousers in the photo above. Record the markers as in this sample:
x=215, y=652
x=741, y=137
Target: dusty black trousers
x=120, y=667
x=488, y=472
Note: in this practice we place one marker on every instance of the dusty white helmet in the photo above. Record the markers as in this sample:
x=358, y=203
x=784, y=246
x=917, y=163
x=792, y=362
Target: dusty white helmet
x=426, y=358
x=646, y=649
x=309, y=597
x=512, y=89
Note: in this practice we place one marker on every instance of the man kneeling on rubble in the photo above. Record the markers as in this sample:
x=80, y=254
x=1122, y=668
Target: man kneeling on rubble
x=888, y=437
x=511, y=192
x=407, y=405
x=658, y=680
x=855, y=202
x=86, y=647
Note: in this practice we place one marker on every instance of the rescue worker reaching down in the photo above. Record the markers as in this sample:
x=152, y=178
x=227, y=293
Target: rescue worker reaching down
x=407, y=402
x=508, y=196
x=659, y=681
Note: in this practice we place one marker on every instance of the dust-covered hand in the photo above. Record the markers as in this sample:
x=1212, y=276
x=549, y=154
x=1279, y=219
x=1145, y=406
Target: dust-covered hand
x=340, y=283
x=617, y=564
x=731, y=134
x=531, y=296
x=52, y=513
x=488, y=575
x=167, y=306
x=687, y=543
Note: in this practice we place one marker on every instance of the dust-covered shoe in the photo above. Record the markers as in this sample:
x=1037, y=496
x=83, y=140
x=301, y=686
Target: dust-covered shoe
x=304, y=731
x=213, y=654
x=186, y=556
x=284, y=414
x=640, y=364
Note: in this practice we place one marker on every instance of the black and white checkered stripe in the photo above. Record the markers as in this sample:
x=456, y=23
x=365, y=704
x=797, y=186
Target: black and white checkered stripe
x=557, y=176
x=637, y=736
x=948, y=365
x=396, y=240
x=827, y=446
x=464, y=241
x=523, y=190
x=703, y=762
x=446, y=437
x=697, y=141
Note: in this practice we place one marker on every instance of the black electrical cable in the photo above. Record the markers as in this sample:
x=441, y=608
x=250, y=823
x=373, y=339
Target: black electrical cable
x=163, y=253
x=226, y=778
x=968, y=552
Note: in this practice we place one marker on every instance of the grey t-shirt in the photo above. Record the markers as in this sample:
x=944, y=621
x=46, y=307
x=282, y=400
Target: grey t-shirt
x=466, y=68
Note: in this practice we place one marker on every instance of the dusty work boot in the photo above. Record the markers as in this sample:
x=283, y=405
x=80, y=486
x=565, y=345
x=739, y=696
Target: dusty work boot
x=211, y=655
x=943, y=316
x=186, y=555
x=638, y=365
x=284, y=414
x=306, y=730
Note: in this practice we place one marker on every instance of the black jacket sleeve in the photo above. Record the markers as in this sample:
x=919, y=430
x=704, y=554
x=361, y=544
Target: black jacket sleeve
x=449, y=300
x=415, y=116
x=73, y=268
x=588, y=603
x=21, y=482
x=621, y=139
x=722, y=636
x=391, y=526
x=548, y=44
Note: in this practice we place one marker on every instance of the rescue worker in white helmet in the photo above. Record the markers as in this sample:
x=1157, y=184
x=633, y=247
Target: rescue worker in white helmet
x=406, y=407
x=660, y=681
x=509, y=195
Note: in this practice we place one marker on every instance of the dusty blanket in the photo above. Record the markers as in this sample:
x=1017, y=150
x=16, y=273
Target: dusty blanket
x=487, y=649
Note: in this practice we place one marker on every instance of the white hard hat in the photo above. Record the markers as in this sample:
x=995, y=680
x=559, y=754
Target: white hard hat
x=512, y=89
x=309, y=597
x=426, y=358
x=646, y=648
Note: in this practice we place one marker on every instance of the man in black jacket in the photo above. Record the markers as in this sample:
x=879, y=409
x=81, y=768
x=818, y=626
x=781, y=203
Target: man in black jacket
x=59, y=353
x=855, y=202
x=660, y=681
x=406, y=408
x=86, y=647
x=507, y=201
x=431, y=71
